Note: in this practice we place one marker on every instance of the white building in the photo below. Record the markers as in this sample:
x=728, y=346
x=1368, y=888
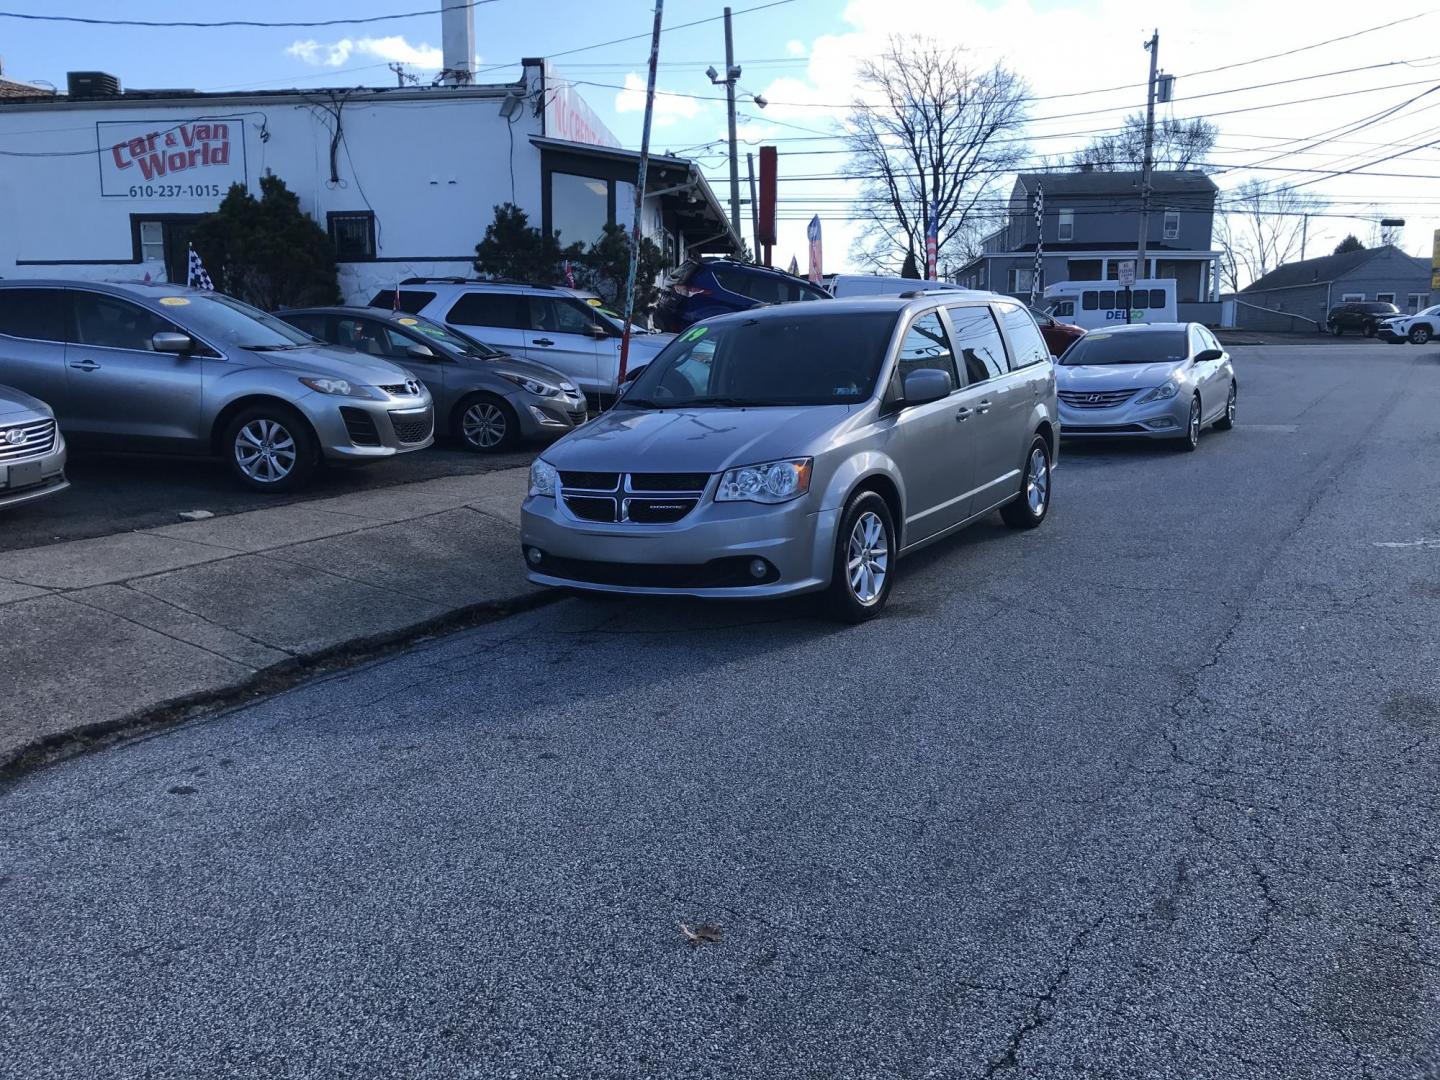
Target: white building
x=104, y=184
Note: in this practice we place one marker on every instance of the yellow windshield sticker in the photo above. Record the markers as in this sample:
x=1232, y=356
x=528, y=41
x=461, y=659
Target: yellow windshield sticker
x=594, y=301
x=174, y=301
x=409, y=322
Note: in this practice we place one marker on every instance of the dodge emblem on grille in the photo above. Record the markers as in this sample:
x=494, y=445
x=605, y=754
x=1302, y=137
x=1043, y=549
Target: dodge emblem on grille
x=14, y=437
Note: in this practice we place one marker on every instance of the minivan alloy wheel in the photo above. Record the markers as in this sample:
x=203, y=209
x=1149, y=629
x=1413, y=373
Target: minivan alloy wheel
x=1037, y=481
x=484, y=425
x=867, y=558
x=265, y=451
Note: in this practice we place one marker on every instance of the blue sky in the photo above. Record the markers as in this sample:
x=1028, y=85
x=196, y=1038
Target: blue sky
x=801, y=54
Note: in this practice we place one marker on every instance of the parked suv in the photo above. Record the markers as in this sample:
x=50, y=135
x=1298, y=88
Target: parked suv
x=32, y=450
x=487, y=399
x=699, y=289
x=1364, y=316
x=161, y=368
x=801, y=447
x=551, y=325
x=1418, y=329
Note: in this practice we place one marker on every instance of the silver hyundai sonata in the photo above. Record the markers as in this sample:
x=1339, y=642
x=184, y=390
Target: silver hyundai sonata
x=1151, y=381
x=802, y=447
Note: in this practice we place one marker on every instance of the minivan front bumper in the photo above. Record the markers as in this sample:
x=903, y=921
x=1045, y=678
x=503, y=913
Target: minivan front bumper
x=711, y=552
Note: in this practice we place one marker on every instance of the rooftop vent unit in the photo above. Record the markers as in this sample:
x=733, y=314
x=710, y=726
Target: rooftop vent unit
x=92, y=84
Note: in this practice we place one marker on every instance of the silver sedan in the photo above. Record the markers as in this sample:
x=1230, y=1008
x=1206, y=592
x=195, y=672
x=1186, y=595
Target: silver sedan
x=1152, y=381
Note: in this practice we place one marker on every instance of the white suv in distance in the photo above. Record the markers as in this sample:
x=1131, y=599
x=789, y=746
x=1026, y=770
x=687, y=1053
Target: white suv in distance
x=549, y=324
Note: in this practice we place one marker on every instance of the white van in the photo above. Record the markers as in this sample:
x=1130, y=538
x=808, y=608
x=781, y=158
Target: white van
x=845, y=286
x=1096, y=304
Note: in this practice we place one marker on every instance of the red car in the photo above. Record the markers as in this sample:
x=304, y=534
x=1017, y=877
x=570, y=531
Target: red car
x=1058, y=335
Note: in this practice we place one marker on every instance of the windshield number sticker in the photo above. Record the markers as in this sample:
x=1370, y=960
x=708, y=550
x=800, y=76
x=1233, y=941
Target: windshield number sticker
x=409, y=322
x=696, y=334
x=174, y=301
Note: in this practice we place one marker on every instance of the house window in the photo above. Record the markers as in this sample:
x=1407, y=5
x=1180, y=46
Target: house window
x=152, y=241
x=353, y=234
x=1065, y=226
x=1416, y=301
x=1172, y=224
x=579, y=207
x=1385, y=297
x=1020, y=280
x=1348, y=297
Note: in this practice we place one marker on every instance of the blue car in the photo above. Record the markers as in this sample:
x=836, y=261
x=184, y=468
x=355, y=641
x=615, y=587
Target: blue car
x=702, y=288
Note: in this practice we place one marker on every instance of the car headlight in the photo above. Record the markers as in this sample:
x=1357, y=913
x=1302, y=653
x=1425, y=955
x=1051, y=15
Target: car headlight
x=529, y=385
x=772, y=482
x=1164, y=392
x=544, y=479
x=340, y=387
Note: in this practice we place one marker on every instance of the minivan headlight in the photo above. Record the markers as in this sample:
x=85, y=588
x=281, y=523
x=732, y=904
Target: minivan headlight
x=772, y=482
x=1164, y=392
x=339, y=387
x=544, y=479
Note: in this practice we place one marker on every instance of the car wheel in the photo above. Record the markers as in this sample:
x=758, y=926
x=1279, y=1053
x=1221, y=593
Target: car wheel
x=270, y=448
x=1419, y=335
x=1190, y=441
x=864, y=560
x=1028, y=509
x=1335, y=329
x=1368, y=329
x=1226, y=422
x=486, y=424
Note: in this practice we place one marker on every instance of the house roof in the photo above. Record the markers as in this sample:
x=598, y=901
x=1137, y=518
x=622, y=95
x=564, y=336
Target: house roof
x=9, y=88
x=1074, y=182
x=1318, y=271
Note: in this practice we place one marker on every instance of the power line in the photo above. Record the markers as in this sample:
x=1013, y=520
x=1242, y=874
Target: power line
x=260, y=23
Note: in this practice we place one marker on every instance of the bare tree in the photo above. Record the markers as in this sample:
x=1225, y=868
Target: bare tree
x=1259, y=227
x=1388, y=234
x=927, y=130
x=1178, y=144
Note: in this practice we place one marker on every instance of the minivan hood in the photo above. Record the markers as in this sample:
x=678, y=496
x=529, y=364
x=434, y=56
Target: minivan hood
x=18, y=405
x=695, y=440
x=331, y=361
x=1114, y=376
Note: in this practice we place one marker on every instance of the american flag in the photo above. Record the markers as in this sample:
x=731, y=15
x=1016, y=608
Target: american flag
x=569, y=274
x=1037, y=277
x=932, y=242
x=812, y=233
x=198, y=278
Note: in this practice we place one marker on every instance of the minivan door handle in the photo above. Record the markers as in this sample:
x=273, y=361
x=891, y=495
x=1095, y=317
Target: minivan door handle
x=84, y=365
x=984, y=406
x=543, y=341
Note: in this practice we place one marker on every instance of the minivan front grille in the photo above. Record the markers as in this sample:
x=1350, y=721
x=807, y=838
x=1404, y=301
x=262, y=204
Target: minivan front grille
x=28, y=440
x=633, y=498
x=1096, y=399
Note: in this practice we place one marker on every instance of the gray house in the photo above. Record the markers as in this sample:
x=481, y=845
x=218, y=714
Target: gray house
x=1092, y=223
x=1298, y=295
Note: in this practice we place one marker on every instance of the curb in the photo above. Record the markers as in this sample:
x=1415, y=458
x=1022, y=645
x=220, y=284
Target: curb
x=278, y=677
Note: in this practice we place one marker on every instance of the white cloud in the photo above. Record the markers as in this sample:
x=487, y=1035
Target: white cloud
x=393, y=48
x=669, y=108
x=795, y=48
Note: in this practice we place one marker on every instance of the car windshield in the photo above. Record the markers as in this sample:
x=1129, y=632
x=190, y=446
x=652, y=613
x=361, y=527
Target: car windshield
x=222, y=319
x=799, y=360
x=454, y=339
x=1135, y=347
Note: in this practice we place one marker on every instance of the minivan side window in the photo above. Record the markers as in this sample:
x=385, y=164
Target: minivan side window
x=108, y=322
x=926, y=347
x=1027, y=346
x=500, y=310
x=37, y=314
x=978, y=340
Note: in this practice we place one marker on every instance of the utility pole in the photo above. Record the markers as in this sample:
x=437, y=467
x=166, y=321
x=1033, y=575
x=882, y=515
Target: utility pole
x=1304, y=234
x=754, y=209
x=1153, y=47
x=731, y=74
x=644, y=173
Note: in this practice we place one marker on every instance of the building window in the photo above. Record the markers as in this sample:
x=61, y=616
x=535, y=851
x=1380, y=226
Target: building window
x=1065, y=225
x=1020, y=280
x=1351, y=297
x=579, y=207
x=1172, y=224
x=1416, y=301
x=1385, y=297
x=353, y=234
x=152, y=241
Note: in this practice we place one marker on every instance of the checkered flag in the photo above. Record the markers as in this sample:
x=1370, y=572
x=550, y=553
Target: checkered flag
x=198, y=278
x=1037, y=276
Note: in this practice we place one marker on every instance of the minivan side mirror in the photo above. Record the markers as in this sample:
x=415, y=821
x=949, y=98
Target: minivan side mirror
x=1207, y=355
x=170, y=342
x=420, y=352
x=927, y=385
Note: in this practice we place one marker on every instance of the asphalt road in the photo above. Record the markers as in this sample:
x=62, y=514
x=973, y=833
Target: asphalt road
x=1150, y=792
x=114, y=493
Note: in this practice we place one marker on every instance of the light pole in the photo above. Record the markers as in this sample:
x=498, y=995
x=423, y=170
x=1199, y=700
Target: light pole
x=732, y=74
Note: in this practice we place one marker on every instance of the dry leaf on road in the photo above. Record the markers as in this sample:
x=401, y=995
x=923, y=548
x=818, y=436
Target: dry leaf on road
x=703, y=932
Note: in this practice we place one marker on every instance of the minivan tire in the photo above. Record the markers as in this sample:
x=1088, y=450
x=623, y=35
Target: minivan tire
x=497, y=411
x=293, y=455
x=1028, y=509
x=857, y=530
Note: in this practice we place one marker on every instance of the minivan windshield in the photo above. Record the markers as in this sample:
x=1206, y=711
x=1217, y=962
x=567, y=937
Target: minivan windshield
x=1129, y=347
x=794, y=360
x=224, y=320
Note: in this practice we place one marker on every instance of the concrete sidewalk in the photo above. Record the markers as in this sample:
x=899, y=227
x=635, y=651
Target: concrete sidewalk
x=105, y=632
